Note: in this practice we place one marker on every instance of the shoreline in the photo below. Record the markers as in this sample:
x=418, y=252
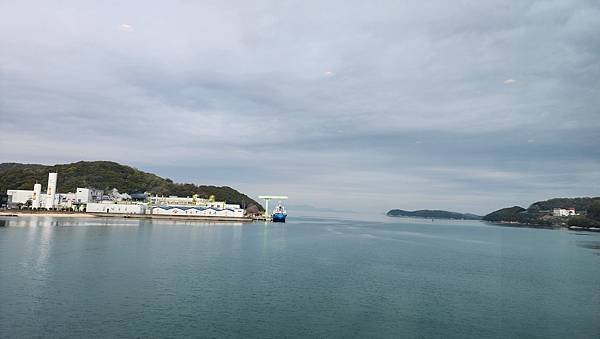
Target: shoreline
x=121, y=216
x=523, y=225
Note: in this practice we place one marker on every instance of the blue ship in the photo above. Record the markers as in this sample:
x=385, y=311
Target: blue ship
x=279, y=214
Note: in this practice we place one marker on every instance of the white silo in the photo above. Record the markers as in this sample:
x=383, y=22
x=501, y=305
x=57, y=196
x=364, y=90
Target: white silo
x=36, y=199
x=52, y=178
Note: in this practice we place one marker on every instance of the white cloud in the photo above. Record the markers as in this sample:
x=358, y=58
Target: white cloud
x=125, y=28
x=415, y=85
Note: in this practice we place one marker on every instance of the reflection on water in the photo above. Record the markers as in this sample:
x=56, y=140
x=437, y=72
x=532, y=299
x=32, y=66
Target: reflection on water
x=595, y=245
x=305, y=278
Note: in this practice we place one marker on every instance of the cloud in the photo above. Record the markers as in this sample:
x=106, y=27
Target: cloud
x=125, y=28
x=215, y=95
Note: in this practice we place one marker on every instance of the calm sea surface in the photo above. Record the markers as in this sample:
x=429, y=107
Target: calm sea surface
x=64, y=277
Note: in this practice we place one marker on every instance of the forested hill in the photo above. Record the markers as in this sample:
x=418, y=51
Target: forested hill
x=540, y=213
x=107, y=175
x=437, y=214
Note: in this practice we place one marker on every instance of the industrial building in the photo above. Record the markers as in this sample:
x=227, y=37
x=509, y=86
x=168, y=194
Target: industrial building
x=20, y=196
x=191, y=201
x=51, y=199
x=111, y=207
x=85, y=195
x=95, y=201
x=198, y=211
x=51, y=191
x=36, y=197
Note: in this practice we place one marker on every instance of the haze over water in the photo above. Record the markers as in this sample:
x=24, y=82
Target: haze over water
x=72, y=277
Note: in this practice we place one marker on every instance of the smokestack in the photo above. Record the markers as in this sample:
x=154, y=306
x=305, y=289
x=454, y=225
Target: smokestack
x=36, y=199
x=52, y=178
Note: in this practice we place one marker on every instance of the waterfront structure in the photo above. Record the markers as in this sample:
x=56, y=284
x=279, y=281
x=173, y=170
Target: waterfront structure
x=190, y=201
x=141, y=197
x=269, y=198
x=51, y=199
x=198, y=211
x=111, y=207
x=563, y=212
x=66, y=200
x=83, y=195
x=36, y=198
x=94, y=201
x=114, y=195
x=51, y=192
x=20, y=196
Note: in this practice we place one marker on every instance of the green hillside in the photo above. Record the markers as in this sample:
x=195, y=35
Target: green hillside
x=509, y=214
x=107, y=175
x=539, y=213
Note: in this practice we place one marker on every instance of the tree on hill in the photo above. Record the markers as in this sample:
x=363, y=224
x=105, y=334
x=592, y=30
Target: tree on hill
x=539, y=212
x=505, y=214
x=582, y=221
x=593, y=212
x=580, y=204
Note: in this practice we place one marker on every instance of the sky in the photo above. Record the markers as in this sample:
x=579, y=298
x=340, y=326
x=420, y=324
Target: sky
x=468, y=106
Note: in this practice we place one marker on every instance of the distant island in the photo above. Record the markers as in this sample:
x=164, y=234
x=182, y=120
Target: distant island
x=432, y=214
x=107, y=175
x=581, y=212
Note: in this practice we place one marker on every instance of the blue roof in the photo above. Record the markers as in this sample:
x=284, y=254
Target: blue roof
x=185, y=208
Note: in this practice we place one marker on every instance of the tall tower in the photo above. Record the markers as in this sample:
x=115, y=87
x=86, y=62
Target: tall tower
x=36, y=199
x=52, y=178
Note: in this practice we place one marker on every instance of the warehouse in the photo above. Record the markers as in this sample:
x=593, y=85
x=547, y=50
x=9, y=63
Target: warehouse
x=115, y=208
x=198, y=211
x=20, y=196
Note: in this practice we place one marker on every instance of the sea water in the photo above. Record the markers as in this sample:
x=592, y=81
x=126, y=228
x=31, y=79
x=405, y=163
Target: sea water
x=69, y=277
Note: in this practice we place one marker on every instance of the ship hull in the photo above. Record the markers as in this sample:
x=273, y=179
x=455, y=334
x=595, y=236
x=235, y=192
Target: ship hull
x=279, y=217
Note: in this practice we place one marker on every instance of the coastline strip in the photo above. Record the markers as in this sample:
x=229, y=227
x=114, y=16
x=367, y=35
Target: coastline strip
x=122, y=216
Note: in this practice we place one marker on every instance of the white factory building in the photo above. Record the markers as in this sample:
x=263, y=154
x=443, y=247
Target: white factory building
x=111, y=207
x=85, y=195
x=20, y=196
x=51, y=192
x=94, y=201
x=38, y=200
x=187, y=201
x=198, y=211
x=51, y=199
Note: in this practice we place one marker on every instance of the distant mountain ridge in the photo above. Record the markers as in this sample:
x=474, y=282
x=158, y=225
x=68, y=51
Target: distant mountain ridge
x=539, y=213
x=435, y=214
x=107, y=175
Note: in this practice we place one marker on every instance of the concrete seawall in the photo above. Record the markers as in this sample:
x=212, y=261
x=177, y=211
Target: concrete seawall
x=20, y=213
